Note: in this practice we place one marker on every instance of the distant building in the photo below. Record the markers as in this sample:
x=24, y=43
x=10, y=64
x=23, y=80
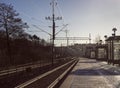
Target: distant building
x=113, y=43
x=86, y=50
x=90, y=51
x=93, y=54
x=101, y=52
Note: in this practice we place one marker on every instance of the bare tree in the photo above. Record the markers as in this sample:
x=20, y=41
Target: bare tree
x=10, y=23
x=36, y=39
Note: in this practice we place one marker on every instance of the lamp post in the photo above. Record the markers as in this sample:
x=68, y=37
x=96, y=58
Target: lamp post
x=114, y=30
x=105, y=38
x=100, y=42
x=113, y=48
x=106, y=47
x=113, y=35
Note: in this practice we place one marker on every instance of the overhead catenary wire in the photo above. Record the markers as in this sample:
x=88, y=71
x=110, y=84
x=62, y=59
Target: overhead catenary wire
x=63, y=18
x=44, y=25
x=31, y=29
x=33, y=18
x=60, y=12
x=42, y=30
x=31, y=21
x=61, y=29
x=37, y=5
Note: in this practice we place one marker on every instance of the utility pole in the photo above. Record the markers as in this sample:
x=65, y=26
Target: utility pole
x=53, y=5
x=89, y=38
x=66, y=31
x=53, y=18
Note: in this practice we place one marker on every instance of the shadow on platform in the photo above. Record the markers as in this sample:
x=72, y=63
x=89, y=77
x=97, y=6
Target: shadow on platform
x=93, y=72
x=87, y=62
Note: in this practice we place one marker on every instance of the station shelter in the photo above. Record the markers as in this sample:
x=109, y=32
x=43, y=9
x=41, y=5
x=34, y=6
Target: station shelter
x=113, y=43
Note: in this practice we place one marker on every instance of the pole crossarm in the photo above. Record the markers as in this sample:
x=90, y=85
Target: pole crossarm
x=61, y=29
x=72, y=38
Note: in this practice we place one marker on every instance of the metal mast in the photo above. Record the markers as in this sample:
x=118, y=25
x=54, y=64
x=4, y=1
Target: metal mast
x=53, y=18
x=53, y=14
x=89, y=38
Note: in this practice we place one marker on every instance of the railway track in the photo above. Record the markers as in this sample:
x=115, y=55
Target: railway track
x=38, y=81
x=23, y=67
x=18, y=77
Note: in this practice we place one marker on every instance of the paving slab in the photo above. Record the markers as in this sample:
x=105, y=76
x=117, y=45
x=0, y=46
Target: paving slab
x=86, y=74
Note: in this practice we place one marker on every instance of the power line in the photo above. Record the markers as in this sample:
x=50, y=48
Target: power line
x=61, y=12
x=32, y=18
x=61, y=29
x=42, y=30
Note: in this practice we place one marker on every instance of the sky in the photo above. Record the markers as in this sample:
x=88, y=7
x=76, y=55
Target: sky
x=96, y=17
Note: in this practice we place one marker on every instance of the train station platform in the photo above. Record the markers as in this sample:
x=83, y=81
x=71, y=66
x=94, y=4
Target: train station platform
x=89, y=73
